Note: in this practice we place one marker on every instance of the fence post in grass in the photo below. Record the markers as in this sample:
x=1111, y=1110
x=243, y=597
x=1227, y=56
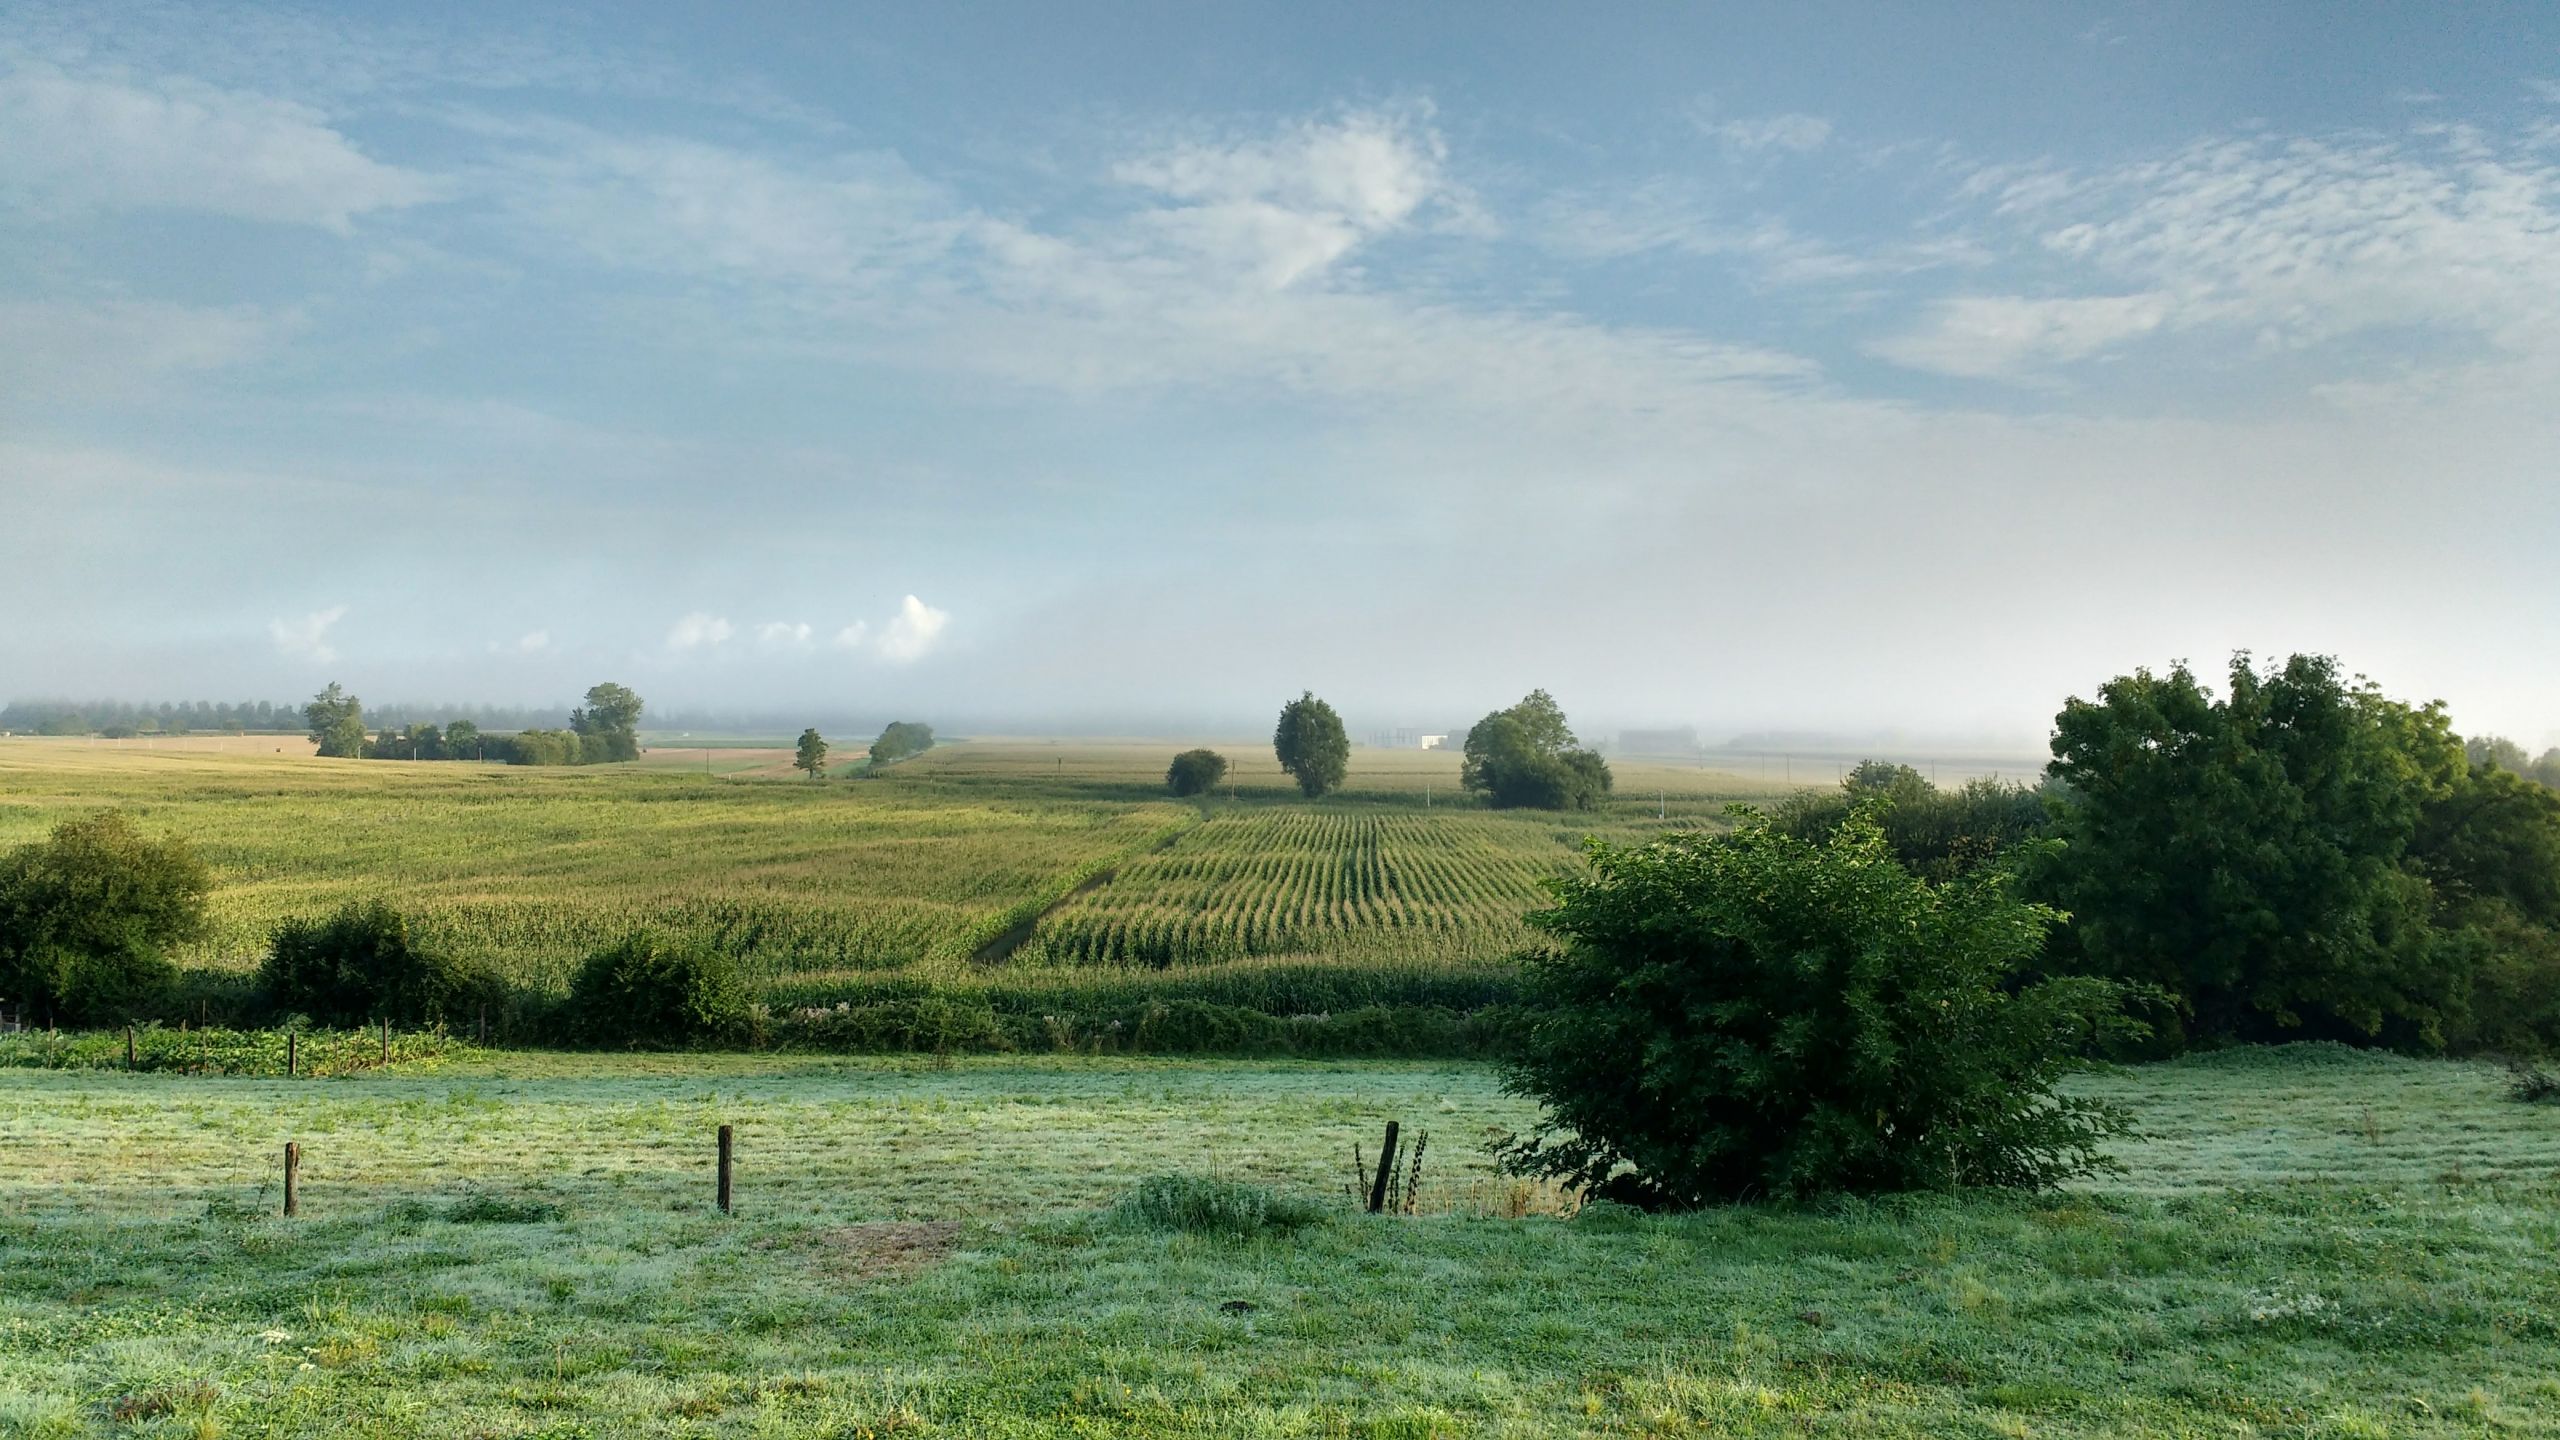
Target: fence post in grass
x=727, y=1148
x=292, y=1053
x=1386, y=1169
x=292, y=1178
x=128, y=1048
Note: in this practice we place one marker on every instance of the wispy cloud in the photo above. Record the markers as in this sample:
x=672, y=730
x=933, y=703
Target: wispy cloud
x=2011, y=337
x=699, y=630
x=532, y=642
x=783, y=636
x=916, y=630
x=307, y=638
x=75, y=142
x=1793, y=133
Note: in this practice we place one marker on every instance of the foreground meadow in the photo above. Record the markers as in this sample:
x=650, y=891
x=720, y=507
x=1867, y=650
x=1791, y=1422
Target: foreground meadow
x=2309, y=1242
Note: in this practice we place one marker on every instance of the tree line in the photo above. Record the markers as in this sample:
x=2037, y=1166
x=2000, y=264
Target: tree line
x=604, y=730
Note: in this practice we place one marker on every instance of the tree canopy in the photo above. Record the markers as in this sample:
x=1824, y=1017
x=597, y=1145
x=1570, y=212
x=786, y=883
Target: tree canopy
x=812, y=754
x=1527, y=756
x=901, y=739
x=1751, y=1014
x=608, y=726
x=1195, y=772
x=87, y=917
x=336, y=722
x=1311, y=744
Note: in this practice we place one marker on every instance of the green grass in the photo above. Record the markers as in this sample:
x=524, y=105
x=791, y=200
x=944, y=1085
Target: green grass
x=2311, y=1243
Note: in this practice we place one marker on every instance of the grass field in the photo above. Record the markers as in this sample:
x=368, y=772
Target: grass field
x=929, y=872
x=2311, y=1242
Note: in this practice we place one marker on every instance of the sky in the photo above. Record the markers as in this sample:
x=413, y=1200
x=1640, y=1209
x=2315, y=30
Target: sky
x=1746, y=366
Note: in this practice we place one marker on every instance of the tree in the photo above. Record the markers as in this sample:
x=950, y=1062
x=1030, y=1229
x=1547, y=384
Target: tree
x=1753, y=1015
x=1936, y=834
x=462, y=740
x=812, y=756
x=901, y=739
x=88, y=915
x=1311, y=744
x=650, y=989
x=2250, y=854
x=2498, y=752
x=336, y=722
x=608, y=728
x=1195, y=772
x=365, y=963
x=1527, y=756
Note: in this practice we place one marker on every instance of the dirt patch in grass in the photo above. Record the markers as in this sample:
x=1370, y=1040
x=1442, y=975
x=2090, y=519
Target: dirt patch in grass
x=882, y=1249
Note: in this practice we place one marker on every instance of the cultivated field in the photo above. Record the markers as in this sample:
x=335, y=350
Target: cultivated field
x=2312, y=1242
x=974, y=861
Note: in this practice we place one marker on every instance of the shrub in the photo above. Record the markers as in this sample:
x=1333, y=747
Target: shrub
x=933, y=1023
x=1195, y=1026
x=1199, y=1205
x=1936, y=834
x=647, y=989
x=901, y=739
x=1527, y=757
x=1195, y=772
x=87, y=917
x=1756, y=1015
x=364, y=964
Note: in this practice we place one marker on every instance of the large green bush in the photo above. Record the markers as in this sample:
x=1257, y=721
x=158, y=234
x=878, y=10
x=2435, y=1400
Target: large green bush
x=1195, y=772
x=1527, y=757
x=648, y=989
x=87, y=917
x=1752, y=1015
x=364, y=964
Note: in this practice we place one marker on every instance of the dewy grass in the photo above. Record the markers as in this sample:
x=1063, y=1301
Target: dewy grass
x=1204, y=1205
x=922, y=1249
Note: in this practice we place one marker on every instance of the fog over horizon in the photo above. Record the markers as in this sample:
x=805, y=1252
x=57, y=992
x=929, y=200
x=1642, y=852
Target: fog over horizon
x=1760, y=368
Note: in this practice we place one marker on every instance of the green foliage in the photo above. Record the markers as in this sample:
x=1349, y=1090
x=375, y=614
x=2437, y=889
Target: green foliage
x=1202, y=1205
x=608, y=725
x=159, y=1049
x=651, y=990
x=1936, y=834
x=1756, y=1015
x=1311, y=744
x=1195, y=772
x=87, y=917
x=364, y=963
x=538, y=747
x=812, y=754
x=1527, y=757
x=902, y=739
x=2253, y=854
x=336, y=721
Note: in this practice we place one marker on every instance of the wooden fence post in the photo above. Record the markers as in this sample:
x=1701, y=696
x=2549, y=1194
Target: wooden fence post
x=726, y=1149
x=292, y=1178
x=1386, y=1169
x=128, y=1048
x=292, y=1053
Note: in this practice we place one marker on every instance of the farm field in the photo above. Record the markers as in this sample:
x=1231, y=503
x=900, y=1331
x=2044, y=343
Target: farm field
x=973, y=862
x=2309, y=1242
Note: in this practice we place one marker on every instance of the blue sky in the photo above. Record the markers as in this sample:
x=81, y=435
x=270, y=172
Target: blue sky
x=1853, y=367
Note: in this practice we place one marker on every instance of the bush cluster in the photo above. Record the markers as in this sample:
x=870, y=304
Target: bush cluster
x=1195, y=772
x=364, y=964
x=651, y=990
x=88, y=916
x=1203, y=1205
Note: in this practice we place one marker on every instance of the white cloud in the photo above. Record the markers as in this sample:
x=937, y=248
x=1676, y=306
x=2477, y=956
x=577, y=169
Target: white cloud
x=79, y=143
x=532, y=642
x=1797, y=134
x=83, y=350
x=2009, y=337
x=1285, y=208
x=308, y=637
x=782, y=635
x=853, y=636
x=699, y=630
x=917, y=629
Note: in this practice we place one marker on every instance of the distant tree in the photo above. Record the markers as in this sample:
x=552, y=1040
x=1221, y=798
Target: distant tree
x=88, y=915
x=462, y=740
x=1527, y=756
x=2547, y=769
x=609, y=725
x=1751, y=1015
x=538, y=747
x=336, y=721
x=1311, y=744
x=2498, y=752
x=1196, y=772
x=1936, y=834
x=812, y=756
x=2252, y=853
x=902, y=739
